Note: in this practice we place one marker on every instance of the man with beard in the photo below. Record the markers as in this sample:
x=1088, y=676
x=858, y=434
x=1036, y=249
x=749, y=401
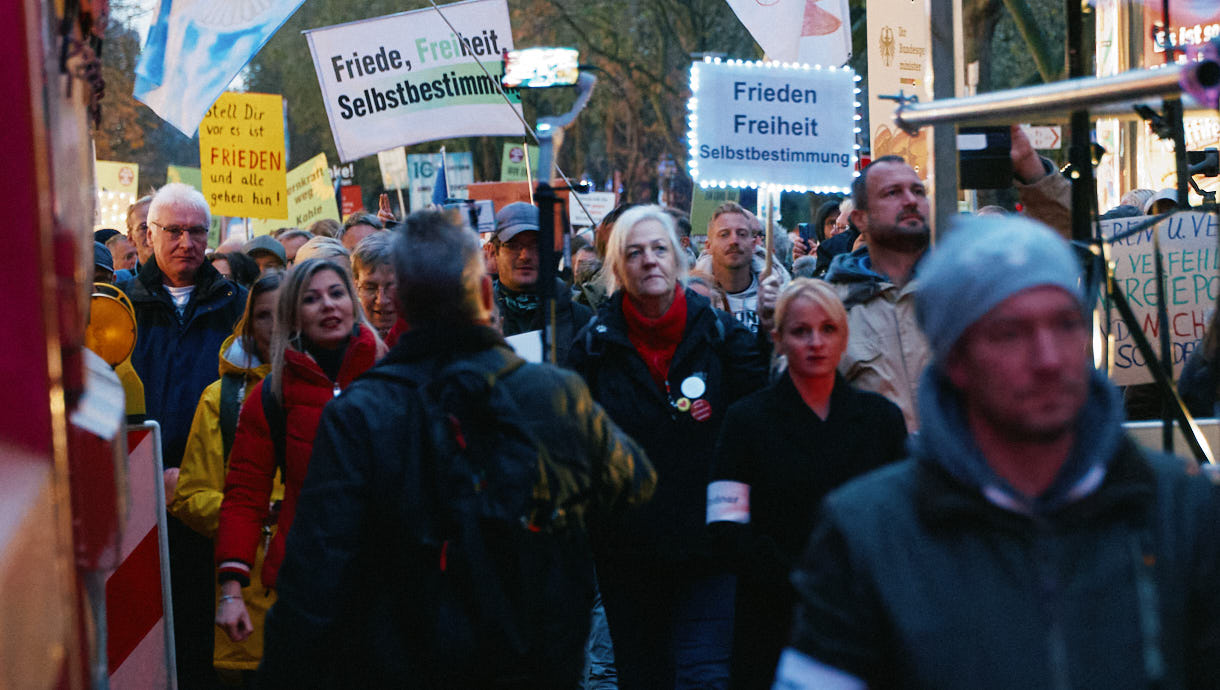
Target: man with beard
x=730, y=243
x=1027, y=542
x=886, y=352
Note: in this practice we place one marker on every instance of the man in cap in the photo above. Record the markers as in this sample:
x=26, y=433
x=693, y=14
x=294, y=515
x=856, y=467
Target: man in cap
x=517, y=258
x=1028, y=542
x=267, y=252
x=103, y=264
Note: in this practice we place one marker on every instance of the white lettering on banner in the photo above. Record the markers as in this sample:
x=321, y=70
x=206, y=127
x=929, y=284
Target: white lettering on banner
x=411, y=78
x=728, y=501
x=1191, y=265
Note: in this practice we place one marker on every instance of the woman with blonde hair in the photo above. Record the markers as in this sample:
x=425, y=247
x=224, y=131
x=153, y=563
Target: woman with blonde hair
x=665, y=365
x=321, y=342
x=780, y=451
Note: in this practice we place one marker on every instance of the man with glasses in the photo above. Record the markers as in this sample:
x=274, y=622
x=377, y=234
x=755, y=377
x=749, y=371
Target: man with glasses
x=516, y=247
x=376, y=283
x=184, y=311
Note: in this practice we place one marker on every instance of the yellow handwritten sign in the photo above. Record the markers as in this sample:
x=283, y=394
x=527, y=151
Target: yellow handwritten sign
x=311, y=196
x=241, y=152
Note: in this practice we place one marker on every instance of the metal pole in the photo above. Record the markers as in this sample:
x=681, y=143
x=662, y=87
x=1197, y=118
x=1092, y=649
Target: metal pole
x=944, y=136
x=1059, y=97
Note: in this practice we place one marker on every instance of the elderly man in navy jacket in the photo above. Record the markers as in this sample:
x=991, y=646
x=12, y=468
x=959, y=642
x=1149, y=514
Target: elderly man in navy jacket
x=184, y=311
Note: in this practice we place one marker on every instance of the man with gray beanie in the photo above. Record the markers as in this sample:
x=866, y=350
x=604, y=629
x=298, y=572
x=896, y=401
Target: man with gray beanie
x=1027, y=542
x=516, y=285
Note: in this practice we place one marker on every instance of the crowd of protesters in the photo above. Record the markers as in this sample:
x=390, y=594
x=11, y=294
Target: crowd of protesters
x=859, y=462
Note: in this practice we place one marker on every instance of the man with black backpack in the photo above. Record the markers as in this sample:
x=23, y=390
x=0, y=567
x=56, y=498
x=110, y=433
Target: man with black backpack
x=441, y=539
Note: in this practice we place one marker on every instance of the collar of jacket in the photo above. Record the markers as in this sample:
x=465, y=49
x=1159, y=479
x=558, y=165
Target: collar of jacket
x=148, y=284
x=360, y=355
x=855, y=271
x=944, y=501
x=842, y=405
x=700, y=317
x=427, y=341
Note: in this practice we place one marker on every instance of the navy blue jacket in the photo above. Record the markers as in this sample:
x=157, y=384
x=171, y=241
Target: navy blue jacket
x=177, y=357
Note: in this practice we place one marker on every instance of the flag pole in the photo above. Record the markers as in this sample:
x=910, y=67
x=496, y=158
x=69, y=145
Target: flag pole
x=529, y=174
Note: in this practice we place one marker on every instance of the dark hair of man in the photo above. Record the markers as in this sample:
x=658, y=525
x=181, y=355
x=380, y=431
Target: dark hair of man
x=359, y=219
x=243, y=268
x=439, y=268
x=859, y=186
x=681, y=221
x=269, y=282
x=602, y=233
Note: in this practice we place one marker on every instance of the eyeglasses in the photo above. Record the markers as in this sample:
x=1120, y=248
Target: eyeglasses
x=198, y=233
x=371, y=290
x=516, y=246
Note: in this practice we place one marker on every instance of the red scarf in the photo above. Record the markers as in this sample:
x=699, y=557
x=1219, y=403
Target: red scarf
x=656, y=339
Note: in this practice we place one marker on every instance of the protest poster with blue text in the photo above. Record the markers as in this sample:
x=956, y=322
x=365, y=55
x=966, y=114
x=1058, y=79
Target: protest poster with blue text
x=407, y=78
x=1191, y=264
x=758, y=124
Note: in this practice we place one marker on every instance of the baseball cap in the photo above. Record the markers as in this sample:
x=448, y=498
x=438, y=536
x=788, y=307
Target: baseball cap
x=516, y=218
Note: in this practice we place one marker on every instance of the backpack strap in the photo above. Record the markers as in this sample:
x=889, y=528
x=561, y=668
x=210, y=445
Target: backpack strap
x=232, y=389
x=276, y=427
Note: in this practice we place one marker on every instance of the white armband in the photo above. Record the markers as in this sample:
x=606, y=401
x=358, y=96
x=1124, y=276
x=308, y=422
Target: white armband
x=728, y=502
x=797, y=671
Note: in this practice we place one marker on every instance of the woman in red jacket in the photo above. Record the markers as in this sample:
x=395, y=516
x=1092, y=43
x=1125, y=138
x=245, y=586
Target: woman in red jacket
x=321, y=342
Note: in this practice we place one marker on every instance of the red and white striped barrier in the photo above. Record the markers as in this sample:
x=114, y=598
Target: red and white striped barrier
x=139, y=617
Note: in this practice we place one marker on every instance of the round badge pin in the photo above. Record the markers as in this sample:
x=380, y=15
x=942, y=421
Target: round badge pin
x=693, y=387
x=683, y=404
x=701, y=410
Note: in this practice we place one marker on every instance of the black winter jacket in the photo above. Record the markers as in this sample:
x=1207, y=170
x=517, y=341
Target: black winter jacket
x=352, y=608
x=569, y=317
x=728, y=361
x=177, y=357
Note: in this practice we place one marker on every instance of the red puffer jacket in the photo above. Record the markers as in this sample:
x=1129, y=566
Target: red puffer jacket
x=252, y=461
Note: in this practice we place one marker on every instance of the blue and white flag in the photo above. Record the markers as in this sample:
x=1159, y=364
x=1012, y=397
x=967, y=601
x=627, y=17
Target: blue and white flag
x=440, y=189
x=196, y=47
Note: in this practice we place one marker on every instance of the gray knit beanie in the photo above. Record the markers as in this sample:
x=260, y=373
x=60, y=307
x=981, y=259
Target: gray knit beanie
x=981, y=262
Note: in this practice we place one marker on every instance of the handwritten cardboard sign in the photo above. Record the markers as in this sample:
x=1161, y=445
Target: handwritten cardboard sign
x=1191, y=263
x=241, y=153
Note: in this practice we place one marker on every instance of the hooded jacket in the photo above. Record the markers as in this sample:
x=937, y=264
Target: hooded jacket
x=176, y=356
x=934, y=573
x=886, y=352
x=569, y=317
x=201, y=489
x=248, y=484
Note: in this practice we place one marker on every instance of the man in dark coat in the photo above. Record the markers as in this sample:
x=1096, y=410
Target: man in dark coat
x=372, y=591
x=516, y=248
x=1028, y=543
x=184, y=311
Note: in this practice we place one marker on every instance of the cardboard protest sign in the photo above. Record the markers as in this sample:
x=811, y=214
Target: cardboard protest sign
x=758, y=124
x=597, y=205
x=1192, y=282
x=311, y=197
x=423, y=168
x=407, y=78
x=513, y=163
x=241, y=153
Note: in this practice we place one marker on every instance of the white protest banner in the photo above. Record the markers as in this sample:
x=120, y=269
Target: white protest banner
x=407, y=78
x=393, y=165
x=765, y=124
x=596, y=206
x=423, y=167
x=798, y=30
x=1191, y=262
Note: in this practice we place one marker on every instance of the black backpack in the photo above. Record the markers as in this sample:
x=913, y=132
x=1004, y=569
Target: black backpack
x=505, y=580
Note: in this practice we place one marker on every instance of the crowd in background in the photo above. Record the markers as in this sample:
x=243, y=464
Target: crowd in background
x=754, y=386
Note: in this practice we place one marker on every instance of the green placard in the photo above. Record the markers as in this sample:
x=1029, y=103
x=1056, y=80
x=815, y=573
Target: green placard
x=704, y=201
x=194, y=177
x=512, y=163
